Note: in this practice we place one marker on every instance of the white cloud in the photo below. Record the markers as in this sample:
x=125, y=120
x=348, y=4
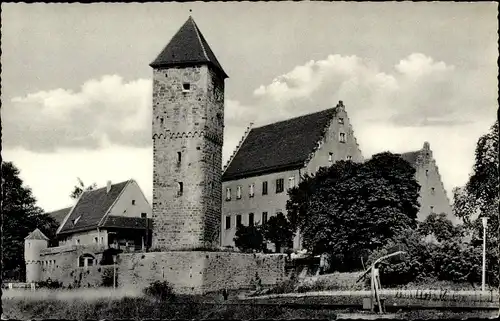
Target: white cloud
x=105, y=108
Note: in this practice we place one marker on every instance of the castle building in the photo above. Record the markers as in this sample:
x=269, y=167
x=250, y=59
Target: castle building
x=117, y=215
x=188, y=128
x=433, y=197
x=273, y=158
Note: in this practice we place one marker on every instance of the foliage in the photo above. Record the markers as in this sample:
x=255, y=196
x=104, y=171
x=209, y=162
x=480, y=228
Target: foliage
x=107, y=276
x=249, y=238
x=49, y=284
x=278, y=230
x=80, y=188
x=441, y=227
x=21, y=216
x=160, y=290
x=286, y=286
x=480, y=198
x=450, y=260
x=351, y=209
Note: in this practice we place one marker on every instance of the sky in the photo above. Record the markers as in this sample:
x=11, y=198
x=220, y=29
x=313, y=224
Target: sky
x=76, y=82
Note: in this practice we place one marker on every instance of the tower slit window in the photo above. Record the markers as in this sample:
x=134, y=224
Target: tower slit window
x=180, y=188
x=179, y=157
x=342, y=137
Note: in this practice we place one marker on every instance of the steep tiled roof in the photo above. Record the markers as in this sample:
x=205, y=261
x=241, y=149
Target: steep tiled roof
x=127, y=222
x=280, y=146
x=91, y=208
x=411, y=157
x=59, y=215
x=36, y=235
x=187, y=47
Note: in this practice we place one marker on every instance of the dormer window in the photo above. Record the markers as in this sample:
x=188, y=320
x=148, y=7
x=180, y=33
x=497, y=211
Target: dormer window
x=76, y=220
x=186, y=87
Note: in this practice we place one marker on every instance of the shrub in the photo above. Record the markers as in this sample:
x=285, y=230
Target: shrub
x=49, y=284
x=107, y=277
x=287, y=286
x=160, y=290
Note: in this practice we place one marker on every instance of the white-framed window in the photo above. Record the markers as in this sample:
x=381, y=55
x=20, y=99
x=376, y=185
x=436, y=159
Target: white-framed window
x=291, y=182
x=342, y=137
x=228, y=193
x=330, y=157
x=251, y=189
x=238, y=192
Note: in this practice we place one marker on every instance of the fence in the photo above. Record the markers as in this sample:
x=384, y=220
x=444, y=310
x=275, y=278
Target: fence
x=20, y=285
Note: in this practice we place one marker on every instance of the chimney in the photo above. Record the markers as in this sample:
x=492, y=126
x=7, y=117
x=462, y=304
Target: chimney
x=426, y=146
x=108, y=187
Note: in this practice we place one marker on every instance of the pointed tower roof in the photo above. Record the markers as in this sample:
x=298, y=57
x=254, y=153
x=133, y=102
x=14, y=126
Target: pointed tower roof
x=188, y=47
x=36, y=235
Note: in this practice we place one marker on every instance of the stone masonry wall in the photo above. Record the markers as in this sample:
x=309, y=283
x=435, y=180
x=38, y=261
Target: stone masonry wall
x=189, y=122
x=188, y=272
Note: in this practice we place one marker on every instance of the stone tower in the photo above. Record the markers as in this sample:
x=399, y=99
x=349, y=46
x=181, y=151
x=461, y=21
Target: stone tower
x=188, y=127
x=34, y=243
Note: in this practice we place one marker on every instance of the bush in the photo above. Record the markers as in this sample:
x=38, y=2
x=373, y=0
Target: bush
x=160, y=290
x=49, y=284
x=107, y=277
x=287, y=286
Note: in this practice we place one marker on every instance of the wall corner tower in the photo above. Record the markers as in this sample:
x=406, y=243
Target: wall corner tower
x=188, y=128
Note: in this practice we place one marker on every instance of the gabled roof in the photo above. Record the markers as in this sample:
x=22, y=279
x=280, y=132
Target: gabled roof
x=91, y=208
x=188, y=47
x=59, y=215
x=127, y=222
x=36, y=235
x=280, y=146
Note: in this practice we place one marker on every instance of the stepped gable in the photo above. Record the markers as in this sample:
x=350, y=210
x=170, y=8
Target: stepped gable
x=36, y=235
x=188, y=47
x=59, y=215
x=279, y=146
x=91, y=208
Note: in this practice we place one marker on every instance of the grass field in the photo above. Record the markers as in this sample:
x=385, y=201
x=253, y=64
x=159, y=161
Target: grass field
x=101, y=304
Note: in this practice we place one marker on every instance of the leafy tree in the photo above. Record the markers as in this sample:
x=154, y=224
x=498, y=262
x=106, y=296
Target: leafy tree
x=441, y=227
x=278, y=231
x=351, y=209
x=21, y=216
x=80, y=188
x=416, y=264
x=248, y=238
x=480, y=198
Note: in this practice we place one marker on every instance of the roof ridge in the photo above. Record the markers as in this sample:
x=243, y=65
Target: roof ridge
x=296, y=117
x=199, y=37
